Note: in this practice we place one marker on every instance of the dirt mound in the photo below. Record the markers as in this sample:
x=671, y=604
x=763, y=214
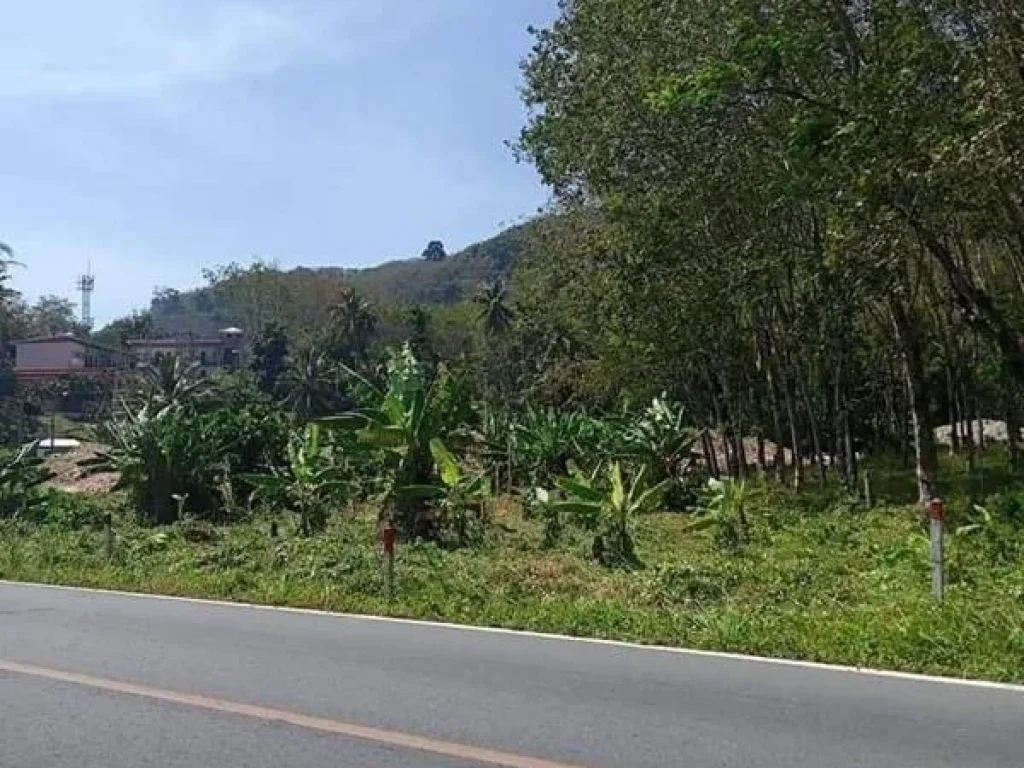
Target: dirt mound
x=995, y=432
x=69, y=476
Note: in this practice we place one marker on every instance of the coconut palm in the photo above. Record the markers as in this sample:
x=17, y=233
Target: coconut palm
x=352, y=324
x=310, y=384
x=494, y=310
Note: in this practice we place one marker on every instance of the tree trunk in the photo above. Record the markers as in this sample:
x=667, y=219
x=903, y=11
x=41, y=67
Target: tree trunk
x=970, y=404
x=727, y=453
x=779, y=460
x=762, y=464
x=839, y=446
x=739, y=453
x=923, y=431
x=723, y=434
x=954, y=419
x=982, y=441
x=812, y=425
x=849, y=452
x=905, y=442
x=710, y=460
x=1012, y=424
x=793, y=436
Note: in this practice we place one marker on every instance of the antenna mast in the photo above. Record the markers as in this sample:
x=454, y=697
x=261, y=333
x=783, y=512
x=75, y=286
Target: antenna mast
x=87, y=284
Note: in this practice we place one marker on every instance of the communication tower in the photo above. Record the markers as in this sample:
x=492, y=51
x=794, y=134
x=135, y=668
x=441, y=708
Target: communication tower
x=87, y=284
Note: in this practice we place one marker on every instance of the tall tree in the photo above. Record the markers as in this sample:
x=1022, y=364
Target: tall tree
x=435, y=251
x=270, y=356
x=53, y=315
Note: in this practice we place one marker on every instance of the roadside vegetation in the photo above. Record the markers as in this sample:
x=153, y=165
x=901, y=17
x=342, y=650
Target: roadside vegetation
x=817, y=579
x=225, y=496
x=698, y=402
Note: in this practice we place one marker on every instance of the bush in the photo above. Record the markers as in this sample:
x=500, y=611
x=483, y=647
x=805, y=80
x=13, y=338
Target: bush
x=70, y=511
x=21, y=475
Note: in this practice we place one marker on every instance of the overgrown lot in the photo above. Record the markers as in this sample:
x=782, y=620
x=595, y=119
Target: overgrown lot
x=820, y=579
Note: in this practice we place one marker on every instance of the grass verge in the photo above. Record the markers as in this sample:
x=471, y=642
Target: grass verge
x=833, y=584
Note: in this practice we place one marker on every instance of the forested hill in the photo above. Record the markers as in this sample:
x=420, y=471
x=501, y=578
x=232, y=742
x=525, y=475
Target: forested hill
x=418, y=281
x=412, y=281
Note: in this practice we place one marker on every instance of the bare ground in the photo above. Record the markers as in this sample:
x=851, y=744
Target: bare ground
x=69, y=476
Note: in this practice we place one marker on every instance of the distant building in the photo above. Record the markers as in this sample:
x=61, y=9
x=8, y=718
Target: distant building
x=221, y=352
x=49, y=357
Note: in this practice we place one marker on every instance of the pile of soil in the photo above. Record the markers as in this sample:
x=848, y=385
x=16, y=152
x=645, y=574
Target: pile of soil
x=69, y=476
x=995, y=432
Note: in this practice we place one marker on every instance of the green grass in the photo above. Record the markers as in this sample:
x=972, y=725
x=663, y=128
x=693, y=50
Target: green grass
x=820, y=580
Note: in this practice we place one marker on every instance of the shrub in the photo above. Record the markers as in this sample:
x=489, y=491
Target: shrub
x=398, y=424
x=168, y=459
x=460, y=499
x=21, y=475
x=724, y=509
x=610, y=510
x=71, y=511
x=310, y=482
x=661, y=438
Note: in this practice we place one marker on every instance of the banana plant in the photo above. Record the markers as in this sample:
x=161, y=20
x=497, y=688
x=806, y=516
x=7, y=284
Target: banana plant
x=661, y=437
x=399, y=424
x=724, y=508
x=20, y=477
x=608, y=508
x=310, y=484
x=460, y=499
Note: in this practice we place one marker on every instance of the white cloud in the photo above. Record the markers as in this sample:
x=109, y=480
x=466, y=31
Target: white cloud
x=128, y=48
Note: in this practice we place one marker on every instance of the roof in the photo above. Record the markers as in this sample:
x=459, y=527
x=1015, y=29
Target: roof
x=182, y=343
x=66, y=337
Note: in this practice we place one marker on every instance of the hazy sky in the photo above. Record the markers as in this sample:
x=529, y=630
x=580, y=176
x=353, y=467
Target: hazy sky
x=156, y=137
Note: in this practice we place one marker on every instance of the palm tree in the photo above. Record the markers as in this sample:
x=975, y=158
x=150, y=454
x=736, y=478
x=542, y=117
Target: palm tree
x=7, y=294
x=352, y=323
x=494, y=311
x=310, y=384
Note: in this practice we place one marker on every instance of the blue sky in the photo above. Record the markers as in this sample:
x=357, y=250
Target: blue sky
x=158, y=137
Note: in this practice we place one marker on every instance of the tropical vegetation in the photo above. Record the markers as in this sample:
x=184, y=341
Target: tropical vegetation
x=775, y=307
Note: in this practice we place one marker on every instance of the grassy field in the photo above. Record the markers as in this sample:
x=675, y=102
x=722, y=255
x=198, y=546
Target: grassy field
x=820, y=579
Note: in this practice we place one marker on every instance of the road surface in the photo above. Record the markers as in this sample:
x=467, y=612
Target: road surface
x=116, y=681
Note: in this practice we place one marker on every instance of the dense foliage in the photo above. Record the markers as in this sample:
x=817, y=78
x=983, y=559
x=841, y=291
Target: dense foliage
x=787, y=239
x=804, y=220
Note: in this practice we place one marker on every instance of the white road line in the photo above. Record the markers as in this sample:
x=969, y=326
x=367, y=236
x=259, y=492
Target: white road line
x=342, y=728
x=816, y=665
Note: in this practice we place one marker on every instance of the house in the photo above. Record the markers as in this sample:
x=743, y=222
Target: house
x=48, y=357
x=220, y=352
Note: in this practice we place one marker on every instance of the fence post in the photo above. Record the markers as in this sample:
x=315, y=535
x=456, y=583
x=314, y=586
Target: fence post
x=868, y=501
x=108, y=536
x=387, y=538
x=937, y=517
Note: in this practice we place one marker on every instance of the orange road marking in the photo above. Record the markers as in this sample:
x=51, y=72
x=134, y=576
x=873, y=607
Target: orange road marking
x=324, y=725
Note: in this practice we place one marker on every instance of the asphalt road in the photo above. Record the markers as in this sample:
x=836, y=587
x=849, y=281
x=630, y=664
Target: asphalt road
x=578, y=704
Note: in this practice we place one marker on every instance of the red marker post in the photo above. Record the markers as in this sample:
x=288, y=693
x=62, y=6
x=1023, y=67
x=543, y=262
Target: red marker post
x=937, y=518
x=388, y=536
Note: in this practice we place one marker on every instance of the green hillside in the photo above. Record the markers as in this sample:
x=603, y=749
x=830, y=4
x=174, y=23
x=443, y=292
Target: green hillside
x=417, y=281
x=412, y=281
